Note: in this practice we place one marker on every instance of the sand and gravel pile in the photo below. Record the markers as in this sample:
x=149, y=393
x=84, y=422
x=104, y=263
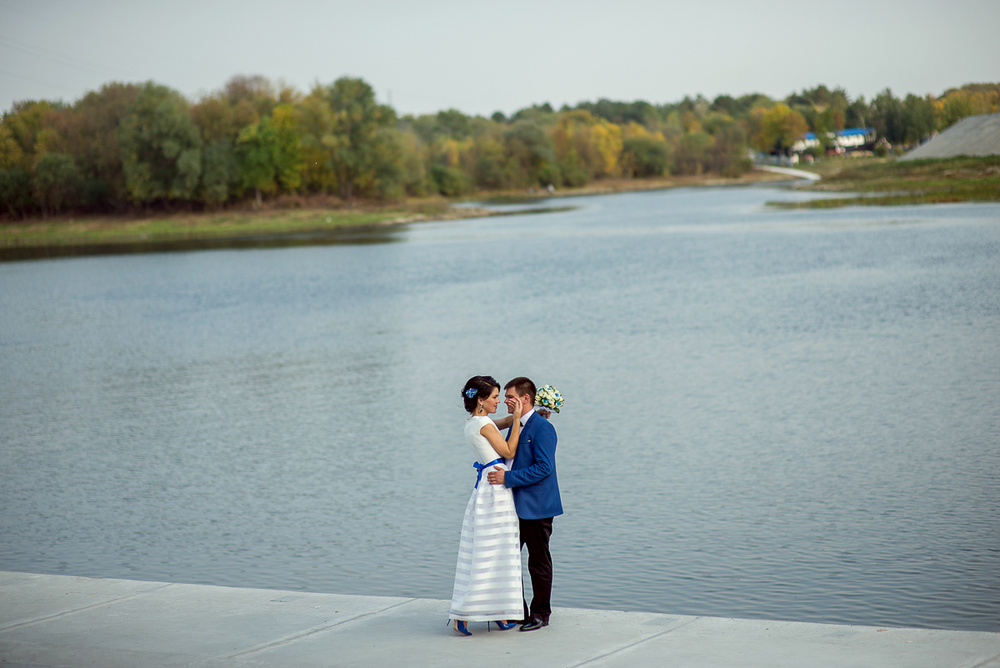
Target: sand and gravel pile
x=974, y=135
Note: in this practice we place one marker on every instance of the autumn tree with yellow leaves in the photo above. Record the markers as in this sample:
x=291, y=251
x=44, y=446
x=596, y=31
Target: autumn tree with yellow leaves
x=779, y=128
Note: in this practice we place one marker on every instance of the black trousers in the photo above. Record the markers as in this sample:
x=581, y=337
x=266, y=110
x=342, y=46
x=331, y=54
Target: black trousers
x=535, y=534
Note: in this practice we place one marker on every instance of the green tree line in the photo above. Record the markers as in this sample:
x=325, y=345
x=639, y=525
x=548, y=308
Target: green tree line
x=135, y=147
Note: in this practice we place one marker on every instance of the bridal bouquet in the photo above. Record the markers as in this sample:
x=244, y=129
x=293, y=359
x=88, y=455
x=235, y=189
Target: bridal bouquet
x=549, y=397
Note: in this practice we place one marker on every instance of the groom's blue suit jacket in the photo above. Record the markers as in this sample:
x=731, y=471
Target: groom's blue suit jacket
x=532, y=475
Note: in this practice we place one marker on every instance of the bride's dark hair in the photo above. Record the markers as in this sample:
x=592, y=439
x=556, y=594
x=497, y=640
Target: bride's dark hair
x=476, y=387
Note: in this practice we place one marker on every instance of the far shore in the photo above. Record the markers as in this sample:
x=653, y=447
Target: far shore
x=294, y=221
x=309, y=220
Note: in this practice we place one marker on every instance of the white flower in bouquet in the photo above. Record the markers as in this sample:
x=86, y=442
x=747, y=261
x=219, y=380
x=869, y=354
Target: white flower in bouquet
x=549, y=397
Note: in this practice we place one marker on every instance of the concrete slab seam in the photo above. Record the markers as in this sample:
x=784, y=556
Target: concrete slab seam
x=676, y=627
x=65, y=613
x=993, y=660
x=313, y=631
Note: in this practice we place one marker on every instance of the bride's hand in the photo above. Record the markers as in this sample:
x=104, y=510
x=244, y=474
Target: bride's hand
x=515, y=407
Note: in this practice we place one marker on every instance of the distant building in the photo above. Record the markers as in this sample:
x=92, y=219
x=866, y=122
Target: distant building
x=841, y=141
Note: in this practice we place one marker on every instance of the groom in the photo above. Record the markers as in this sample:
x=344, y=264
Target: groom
x=532, y=477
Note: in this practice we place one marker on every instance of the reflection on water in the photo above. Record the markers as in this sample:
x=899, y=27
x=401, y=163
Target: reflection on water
x=770, y=414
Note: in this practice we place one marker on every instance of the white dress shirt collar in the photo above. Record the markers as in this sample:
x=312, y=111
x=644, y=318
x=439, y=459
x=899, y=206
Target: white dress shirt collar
x=524, y=418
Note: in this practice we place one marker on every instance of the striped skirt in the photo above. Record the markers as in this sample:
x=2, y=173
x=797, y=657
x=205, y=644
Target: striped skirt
x=488, y=574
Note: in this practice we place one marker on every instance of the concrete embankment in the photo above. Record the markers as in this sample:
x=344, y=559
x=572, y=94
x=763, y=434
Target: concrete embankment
x=973, y=135
x=53, y=620
x=796, y=173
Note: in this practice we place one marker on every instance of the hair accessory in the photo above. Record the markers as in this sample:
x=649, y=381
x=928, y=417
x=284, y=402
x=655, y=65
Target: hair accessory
x=471, y=392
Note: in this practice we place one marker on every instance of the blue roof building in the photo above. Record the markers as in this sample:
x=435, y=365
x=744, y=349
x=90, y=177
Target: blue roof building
x=848, y=139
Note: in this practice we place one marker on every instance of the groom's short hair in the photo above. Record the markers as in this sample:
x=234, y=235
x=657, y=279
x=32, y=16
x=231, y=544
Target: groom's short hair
x=523, y=386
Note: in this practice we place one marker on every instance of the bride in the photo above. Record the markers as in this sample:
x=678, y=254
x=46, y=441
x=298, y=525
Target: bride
x=488, y=573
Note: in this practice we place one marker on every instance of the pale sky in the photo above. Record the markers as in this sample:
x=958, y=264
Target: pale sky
x=481, y=57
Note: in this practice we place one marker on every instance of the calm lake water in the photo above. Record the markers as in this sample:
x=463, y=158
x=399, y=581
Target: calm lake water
x=769, y=414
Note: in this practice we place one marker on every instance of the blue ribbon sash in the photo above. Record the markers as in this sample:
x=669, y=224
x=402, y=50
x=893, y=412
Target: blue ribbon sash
x=479, y=469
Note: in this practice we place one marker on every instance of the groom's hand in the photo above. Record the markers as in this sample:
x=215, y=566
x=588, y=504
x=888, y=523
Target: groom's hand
x=495, y=477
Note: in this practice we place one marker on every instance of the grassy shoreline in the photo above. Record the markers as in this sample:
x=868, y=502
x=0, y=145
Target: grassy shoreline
x=297, y=221
x=891, y=182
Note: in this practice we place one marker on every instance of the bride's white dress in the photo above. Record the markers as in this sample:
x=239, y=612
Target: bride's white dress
x=488, y=574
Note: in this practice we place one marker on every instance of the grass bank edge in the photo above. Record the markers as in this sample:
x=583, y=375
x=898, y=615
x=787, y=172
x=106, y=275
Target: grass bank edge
x=211, y=226
x=891, y=182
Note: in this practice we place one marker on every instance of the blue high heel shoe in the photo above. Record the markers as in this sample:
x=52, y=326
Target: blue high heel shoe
x=461, y=628
x=504, y=626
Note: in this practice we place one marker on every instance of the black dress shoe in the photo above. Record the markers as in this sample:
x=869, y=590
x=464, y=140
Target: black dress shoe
x=534, y=625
